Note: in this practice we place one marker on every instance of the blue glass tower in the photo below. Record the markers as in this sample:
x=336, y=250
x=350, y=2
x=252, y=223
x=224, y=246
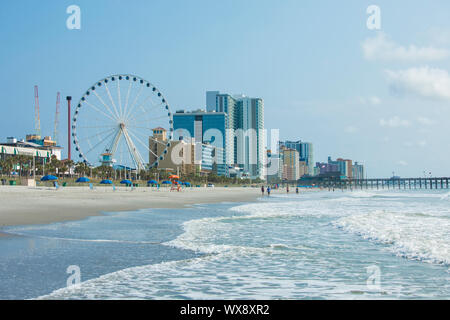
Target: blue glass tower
x=206, y=128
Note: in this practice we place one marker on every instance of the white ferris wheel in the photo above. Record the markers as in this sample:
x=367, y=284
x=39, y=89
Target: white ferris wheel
x=114, y=121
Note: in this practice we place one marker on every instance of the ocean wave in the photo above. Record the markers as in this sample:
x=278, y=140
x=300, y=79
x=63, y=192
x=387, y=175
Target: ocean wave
x=81, y=240
x=272, y=266
x=289, y=209
x=445, y=196
x=417, y=236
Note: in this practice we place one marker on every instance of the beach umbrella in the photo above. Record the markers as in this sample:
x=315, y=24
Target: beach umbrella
x=106, y=182
x=152, y=182
x=127, y=182
x=49, y=178
x=82, y=179
x=187, y=184
x=166, y=182
x=174, y=177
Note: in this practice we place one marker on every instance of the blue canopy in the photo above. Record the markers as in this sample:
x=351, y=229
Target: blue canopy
x=167, y=182
x=126, y=182
x=188, y=184
x=49, y=178
x=152, y=182
x=106, y=182
x=82, y=179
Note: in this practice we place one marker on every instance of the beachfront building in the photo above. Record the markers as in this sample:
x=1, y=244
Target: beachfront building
x=47, y=141
x=211, y=156
x=305, y=151
x=345, y=167
x=180, y=157
x=303, y=169
x=291, y=168
x=358, y=171
x=14, y=147
x=274, y=169
x=211, y=128
x=245, y=148
x=250, y=151
x=326, y=167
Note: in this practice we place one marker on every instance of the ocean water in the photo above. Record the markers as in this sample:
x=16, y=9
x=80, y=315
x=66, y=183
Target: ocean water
x=320, y=245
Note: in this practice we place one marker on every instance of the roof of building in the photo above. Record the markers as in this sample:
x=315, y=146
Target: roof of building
x=28, y=144
x=199, y=111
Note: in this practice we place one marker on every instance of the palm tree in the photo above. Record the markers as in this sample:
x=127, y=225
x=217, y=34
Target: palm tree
x=63, y=167
x=70, y=164
x=23, y=161
x=104, y=171
x=56, y=164
x=81, y=168
x=6, y=166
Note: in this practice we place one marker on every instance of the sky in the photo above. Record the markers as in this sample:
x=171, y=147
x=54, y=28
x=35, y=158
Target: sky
x=380, y=97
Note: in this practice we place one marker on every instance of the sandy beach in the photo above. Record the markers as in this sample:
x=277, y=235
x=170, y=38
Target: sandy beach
x=24, y=205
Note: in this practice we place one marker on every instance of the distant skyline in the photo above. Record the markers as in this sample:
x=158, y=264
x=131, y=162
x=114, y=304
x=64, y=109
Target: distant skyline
x=379, y=97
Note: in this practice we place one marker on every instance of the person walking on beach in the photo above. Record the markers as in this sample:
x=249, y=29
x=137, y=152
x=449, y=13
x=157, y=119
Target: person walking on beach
x=296, y=190
x=287, y=189
x=262, y=190
x=268, y=191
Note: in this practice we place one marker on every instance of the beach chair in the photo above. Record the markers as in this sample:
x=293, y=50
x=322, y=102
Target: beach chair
x=91, y=186
x=56, y=185
x=114, y=188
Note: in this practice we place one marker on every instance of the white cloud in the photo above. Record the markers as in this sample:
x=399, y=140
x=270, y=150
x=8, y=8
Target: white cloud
x=425, y=121
x=394, y=122
x=439, y=35
x=408, y=144
x=381, y=47
x=425, y=82
x=351, y=129
x=373, y=100
x=402, y=163
x=422, y=143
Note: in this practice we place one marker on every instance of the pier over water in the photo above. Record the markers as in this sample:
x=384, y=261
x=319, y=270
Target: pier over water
x=377, y=183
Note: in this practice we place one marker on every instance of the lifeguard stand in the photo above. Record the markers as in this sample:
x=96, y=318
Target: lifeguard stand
x=107, y=159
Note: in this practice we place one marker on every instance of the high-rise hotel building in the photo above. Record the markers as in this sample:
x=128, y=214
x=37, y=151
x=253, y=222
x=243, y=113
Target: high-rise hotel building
x=305, y=151
x=206, y=128
x=245, y=142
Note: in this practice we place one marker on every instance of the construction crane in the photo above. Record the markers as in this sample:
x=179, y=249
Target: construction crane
x=55, y=132
x=37, y=118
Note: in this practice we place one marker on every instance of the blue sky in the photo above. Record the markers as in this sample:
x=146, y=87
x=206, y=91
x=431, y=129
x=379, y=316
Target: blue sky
x=379, y=97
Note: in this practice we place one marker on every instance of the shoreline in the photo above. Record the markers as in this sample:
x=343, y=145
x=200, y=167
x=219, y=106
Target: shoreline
x=30, y=206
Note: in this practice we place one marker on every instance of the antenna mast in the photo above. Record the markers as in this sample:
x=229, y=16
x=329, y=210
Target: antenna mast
x=37, y=118
x=55, y=133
